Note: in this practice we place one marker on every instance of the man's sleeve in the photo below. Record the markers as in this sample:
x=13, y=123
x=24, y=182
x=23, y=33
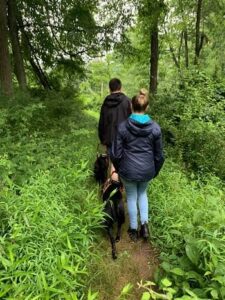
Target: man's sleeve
x=158, y=151
x=101, y=124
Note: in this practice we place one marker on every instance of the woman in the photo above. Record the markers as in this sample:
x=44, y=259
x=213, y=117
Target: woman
x=137, y=156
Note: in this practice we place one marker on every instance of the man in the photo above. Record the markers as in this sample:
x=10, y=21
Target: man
x=115, y=109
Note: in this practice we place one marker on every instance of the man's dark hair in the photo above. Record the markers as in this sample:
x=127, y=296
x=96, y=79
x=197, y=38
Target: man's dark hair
x=115, y=85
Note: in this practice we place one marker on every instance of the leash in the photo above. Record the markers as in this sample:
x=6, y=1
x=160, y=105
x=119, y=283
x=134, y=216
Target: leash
x=98, y=152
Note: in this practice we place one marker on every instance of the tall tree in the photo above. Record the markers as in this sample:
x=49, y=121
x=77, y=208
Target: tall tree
x=154, y=58
x=58, y=34
x=16, y=47
x=5, y=67
x=31, y=56
x=186, y=50
x=150, y=12
x=198, y=37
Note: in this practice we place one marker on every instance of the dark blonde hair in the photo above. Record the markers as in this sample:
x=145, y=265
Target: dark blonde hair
x=140, y=101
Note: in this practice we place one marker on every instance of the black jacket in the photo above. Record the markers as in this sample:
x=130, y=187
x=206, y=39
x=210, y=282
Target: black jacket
x=137, y=150
x=115, y=109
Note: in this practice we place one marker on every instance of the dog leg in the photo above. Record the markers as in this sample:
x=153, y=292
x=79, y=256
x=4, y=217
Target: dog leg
x=118, y=233
x=119, y=226
x=113, y=244
x=121, y=219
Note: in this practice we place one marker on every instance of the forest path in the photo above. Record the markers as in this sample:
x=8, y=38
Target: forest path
x=136, y=262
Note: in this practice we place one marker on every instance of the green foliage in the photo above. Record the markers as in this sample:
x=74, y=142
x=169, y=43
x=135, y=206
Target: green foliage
x=188, y=221
x=125, y=293
x=48, y=216
x=99, y=72
x=60, y=30
x=194, y=114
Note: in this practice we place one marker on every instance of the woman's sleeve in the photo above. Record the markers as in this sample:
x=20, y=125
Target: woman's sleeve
x=158, y=151
x=116, y=151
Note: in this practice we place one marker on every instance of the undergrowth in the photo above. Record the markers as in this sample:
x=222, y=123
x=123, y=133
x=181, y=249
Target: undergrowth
x=188, y=225
x=48, y=212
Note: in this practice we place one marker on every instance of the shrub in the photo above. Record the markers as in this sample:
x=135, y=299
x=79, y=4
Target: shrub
x=188, y=224
x=48, y=216
x=192, y=119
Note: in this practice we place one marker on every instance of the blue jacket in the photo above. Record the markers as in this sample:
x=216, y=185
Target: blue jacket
x=137, y=150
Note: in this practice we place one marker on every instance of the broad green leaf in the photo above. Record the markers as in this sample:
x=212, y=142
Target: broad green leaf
x=126, y=289
x=178, y=271
x=192, y=253
x=214, y=294
x=145, y=296
x=166, y=282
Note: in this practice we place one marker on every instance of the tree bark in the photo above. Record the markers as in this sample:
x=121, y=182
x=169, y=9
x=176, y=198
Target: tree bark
x=176, y=61
x=180, y=47
x=40, y=74
x=197, y=31
x=186, y=51
x=5, y=66
x=32, y=58
x=16, y=47
x=154, y=59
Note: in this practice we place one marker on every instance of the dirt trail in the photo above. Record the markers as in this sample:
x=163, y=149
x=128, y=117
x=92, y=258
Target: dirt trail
x=135, y=262
x=141, y=264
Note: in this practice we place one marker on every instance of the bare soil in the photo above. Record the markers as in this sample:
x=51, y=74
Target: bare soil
x=136, y=262
x=142, y=263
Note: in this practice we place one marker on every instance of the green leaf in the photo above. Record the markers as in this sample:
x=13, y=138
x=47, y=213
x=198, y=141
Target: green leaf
x=5, y=289
x=145, y=296
x=43, y=279
x=127, y=289
x=178, y=271
x=68, y=243
x=166, y=266
x=166, y=282
x=196, y=276
x=192, y=253
x=214, y=294
x=92, y=296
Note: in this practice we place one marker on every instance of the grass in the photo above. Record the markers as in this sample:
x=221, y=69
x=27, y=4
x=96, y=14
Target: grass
x=51, y=244
x=188, y=221
x=49, y=210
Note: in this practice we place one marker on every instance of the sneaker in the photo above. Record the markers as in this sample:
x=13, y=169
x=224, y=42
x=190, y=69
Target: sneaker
x=133, y=234
x=144, y=231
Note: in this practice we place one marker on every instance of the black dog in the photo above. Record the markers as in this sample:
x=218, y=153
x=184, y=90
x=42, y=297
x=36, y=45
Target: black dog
x=101, y=168
x=114, y=211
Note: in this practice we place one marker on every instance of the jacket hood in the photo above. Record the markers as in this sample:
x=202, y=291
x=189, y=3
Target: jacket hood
x=114, y=99
x=139, y=129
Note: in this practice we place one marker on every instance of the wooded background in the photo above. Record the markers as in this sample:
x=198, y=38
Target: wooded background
x=56, y=59
x=43, y=40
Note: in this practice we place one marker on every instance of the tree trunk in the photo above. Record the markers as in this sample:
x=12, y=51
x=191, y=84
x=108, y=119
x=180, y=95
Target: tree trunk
x=40, y=74
x=16, y=48
x=197, y=31
x=186, y=52
x=154, y=59
x=31, y=56
x=175, y=59
x=180, y=47
x=5, y=67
